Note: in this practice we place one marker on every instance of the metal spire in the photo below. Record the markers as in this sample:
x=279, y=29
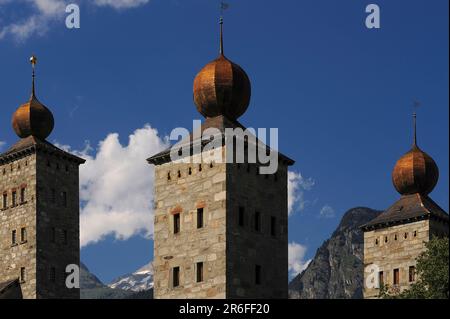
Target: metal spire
x=223, y=7
x=33, y=61
x=415, y=106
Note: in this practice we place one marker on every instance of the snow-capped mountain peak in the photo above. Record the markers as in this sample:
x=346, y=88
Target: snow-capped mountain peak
x=141, y=279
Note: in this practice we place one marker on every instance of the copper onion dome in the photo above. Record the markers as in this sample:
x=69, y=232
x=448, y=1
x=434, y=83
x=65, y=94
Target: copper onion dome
x=222, y=87
x=416, y=171
x=33, y=118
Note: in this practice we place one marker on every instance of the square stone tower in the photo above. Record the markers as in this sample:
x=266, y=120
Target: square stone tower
x=395, y=238
x=220, y=229
x=39, y=208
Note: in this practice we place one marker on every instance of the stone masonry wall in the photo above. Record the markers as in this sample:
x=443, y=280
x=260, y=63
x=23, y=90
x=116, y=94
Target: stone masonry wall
x=58, y=241
x=14, y=176
x=394, y=247
x=190, y=187
x=248, y=247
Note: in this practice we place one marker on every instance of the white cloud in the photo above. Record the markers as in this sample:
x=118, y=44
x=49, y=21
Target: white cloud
x=327, y=212
x=297, y=185
x=116, y=187
x=43, y=13
x=121, y=4
x=296, y=259
x=2, y=144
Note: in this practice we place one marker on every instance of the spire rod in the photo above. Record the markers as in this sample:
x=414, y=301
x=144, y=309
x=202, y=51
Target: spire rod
x=221, y=35
x=415, y=106
x=33, y=61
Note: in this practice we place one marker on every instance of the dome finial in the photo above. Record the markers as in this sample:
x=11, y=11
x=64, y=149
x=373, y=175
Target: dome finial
x=223, y=6
x=33, y=61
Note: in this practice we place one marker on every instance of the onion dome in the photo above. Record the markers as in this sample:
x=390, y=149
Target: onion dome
x=415, y=172
x=33, y=118
x=222, y=87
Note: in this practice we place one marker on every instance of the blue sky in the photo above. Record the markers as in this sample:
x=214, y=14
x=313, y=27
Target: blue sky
x=340, y=94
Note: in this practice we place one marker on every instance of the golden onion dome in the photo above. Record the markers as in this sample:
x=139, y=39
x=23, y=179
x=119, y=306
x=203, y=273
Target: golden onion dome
x=33, y=118
x=222, y=87
x=415, y=172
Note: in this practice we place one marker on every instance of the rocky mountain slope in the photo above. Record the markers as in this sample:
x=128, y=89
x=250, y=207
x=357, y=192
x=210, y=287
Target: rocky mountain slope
x=336, y=270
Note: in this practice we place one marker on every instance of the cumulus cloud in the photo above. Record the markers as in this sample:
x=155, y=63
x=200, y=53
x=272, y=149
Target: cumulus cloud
x=327, y=212
x=116, y=186
x=297, y=185
x=121, y=4
x=296, y=259
x=42, y=14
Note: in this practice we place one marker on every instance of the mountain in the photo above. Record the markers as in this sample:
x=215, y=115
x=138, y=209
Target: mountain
x=336, y=271
x=140, y=280
x=92, y=288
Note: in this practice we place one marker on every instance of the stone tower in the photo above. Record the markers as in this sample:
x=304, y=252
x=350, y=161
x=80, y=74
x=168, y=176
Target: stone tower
x=221, y=227
x=39, y=209
x=395, y=238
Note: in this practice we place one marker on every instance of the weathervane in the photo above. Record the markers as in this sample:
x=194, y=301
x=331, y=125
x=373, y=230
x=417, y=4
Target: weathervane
x=223, y=6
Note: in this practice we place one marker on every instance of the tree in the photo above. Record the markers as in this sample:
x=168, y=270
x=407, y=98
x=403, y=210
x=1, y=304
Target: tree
x=432, y=271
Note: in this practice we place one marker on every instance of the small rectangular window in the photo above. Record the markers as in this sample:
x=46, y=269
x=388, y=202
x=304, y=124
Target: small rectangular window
x=273, y=226
x=241, y=216
x=176, y=223
x=53, y=274
x=5, y=200
x=258, y=275
x=176, y=277
x=257, y=221
x=13, y=237
x=396, y=276
x=14, y=198
x=23, y=235
x=22, y=274
x=199, y=217
x=199, y=272
x=22, y=195
x=381, y=278
x=64, y=196
x=412, y=274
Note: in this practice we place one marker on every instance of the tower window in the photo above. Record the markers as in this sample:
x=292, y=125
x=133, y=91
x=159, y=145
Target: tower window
x=168, y=176
x=199, y=167
x=14, y=198
x=22, y=195
x=273, y=226
x=257, y=221
x=176, y=277
x=211, y=165
x=412, y=273
x=23, y=234
x=179, y=174
x=65, y=237
x=199, y=217
x=381, y=278
x=258, y=275
x=176, y=223
x=53, y=274
x=396, y=276
x=200, y=272
x=395, y=237
x=241, y=216
x=22, y=274
x=5, y=200
x=415, y=233
x=376, y=241
x=406, y=235
x=385, y=239
x=190, y=171
x=53, y=235
x=64, y=196
x=14, y=237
